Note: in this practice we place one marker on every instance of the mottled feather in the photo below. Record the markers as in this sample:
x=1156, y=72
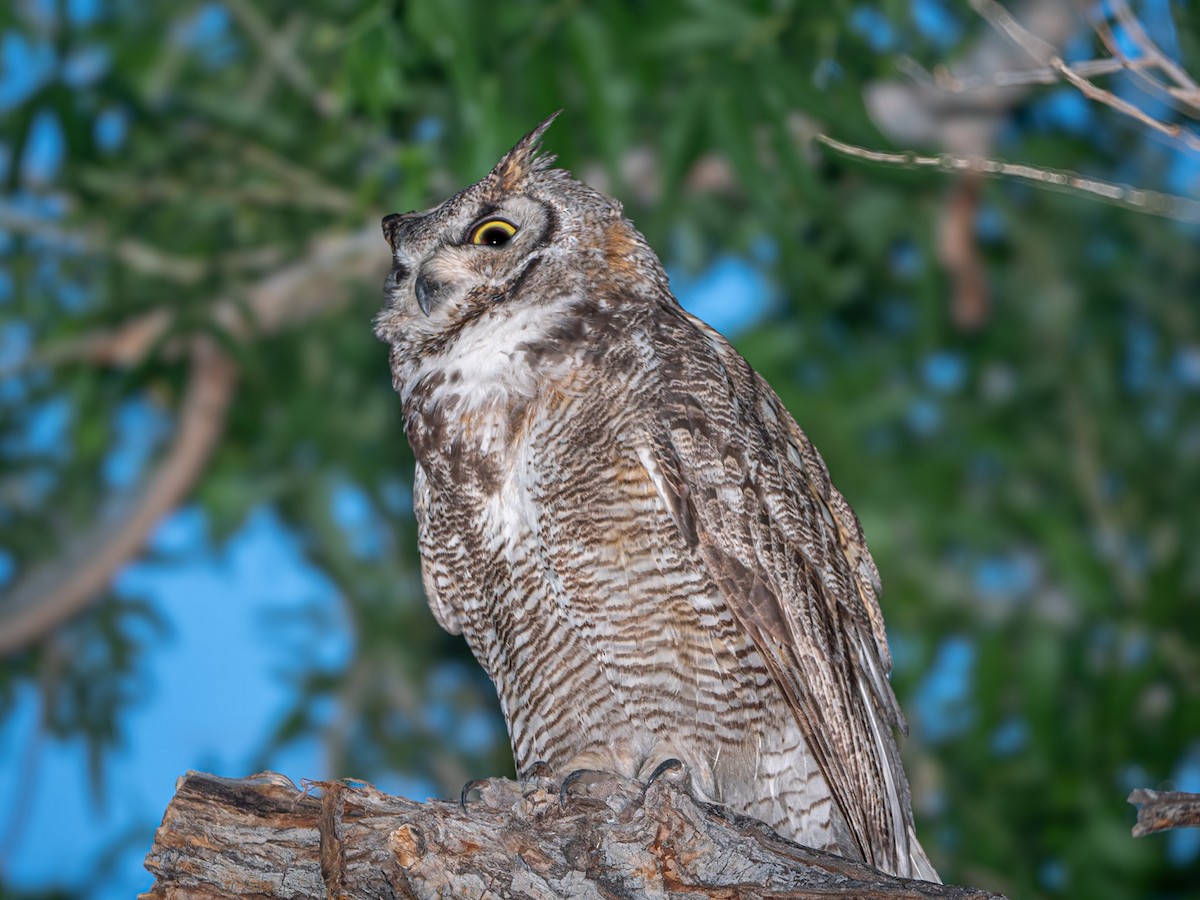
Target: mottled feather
x=636, y=539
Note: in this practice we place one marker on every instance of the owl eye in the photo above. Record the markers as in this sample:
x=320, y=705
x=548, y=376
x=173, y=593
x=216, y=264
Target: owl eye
x=493, y=232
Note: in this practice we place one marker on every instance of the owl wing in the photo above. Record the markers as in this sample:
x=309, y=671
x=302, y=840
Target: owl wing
x=753, y=497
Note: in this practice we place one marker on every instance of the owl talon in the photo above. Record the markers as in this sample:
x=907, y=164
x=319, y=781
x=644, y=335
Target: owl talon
x=539, y=769
x=590, y=776
x=667, y=765
x=472, y=785
x=538, y=780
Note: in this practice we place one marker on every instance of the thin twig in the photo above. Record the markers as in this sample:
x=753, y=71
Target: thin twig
x=1005, y=78
x=1047, y=54
x=1092, y=91
x=1002, y=20
x=1138, y=35
x=283, y=55
x=1169, y=206
x=1140, y=68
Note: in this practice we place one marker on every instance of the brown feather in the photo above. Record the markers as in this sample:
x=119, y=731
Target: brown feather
x=636, y=539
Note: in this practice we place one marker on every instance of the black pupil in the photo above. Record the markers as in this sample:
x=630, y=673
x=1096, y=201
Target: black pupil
x=495, y=236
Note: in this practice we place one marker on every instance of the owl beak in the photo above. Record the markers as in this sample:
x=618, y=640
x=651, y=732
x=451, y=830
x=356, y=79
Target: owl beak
x=427, y=289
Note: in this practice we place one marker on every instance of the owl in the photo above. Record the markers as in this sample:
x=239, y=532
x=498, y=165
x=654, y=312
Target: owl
x=637, y=541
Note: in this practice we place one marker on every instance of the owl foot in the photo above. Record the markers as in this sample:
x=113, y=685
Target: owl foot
x=580, y=779
x=473, y=785
x=539, y=769
x=674, y=767
x=672, y=772
x=538, y=779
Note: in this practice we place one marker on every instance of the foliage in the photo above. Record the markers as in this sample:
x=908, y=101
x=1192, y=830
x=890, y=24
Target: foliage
x=1029, y=489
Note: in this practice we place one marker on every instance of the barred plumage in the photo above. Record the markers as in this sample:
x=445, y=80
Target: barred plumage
x=638, y=542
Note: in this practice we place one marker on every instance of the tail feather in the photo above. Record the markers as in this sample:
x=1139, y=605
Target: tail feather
x=922, y=868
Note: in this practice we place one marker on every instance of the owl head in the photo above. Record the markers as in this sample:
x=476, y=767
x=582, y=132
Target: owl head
x=524, y=245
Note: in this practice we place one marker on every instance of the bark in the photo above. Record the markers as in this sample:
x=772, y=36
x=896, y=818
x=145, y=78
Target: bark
x=603, y=837
x=1164, y=810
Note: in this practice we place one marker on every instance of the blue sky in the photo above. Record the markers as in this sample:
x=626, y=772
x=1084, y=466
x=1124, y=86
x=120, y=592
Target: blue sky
x=213, y=693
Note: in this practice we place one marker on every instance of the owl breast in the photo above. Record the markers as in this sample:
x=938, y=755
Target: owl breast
x=547, y=543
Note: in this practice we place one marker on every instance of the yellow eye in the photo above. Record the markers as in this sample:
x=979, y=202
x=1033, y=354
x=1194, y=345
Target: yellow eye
x=493, y=232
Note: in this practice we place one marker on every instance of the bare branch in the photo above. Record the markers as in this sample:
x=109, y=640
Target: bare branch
x=59, y=589
x=62, y=588
x=1002, y=20
x=961, y=109
x=1164, y=810
x=283, y=55
x=962, y=106
x=310, y=195
x=1019, y=77
x=607, y=837
x=1047, y=54
x=143, y=258
x=1169, y=206
x=1185, y=87
x=1092, y=91
x=297, y=292
x=1096, y=14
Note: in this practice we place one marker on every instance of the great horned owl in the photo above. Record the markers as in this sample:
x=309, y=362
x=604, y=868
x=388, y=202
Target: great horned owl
x=638, y=542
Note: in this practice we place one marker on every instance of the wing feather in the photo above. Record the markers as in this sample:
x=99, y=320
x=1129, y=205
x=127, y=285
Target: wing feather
x=751, y=493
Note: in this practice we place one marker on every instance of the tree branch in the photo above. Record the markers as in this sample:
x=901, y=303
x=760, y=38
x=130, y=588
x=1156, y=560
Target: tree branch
x=1185, y=90
x=140, y=257
x=63, y=587
x=284, y=56
x=60, y=589
x=607, y=837
x=1170, y=206
x=297, y=292
x=1164, y=810
x=1047, y=54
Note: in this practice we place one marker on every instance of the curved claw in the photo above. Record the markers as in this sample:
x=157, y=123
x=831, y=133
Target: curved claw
x=467, y=788
x=571, y=779
x=667, y=765
x=539, y=769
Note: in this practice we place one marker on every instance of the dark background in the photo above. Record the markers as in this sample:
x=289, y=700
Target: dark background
x=1003, y=379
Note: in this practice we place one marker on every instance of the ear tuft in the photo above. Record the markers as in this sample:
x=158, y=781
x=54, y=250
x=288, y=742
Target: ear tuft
x=523, y=159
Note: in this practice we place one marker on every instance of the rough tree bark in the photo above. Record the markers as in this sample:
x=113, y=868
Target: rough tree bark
x=1164, y=810
x=604, y=837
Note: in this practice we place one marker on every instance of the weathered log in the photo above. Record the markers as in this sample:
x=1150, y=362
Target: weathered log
x=1164, y=810
x=602, y=837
